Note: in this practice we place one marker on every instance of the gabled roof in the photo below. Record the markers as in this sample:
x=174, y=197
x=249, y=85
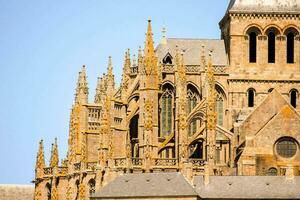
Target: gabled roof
x=264, y=6
x=248, y=187
x=192, y=50
x=262, y=114
x=147, y=185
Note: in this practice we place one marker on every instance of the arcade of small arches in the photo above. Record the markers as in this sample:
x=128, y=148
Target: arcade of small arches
x=91, y=188
x=272, y=33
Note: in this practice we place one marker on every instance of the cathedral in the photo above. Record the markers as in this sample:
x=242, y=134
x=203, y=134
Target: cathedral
x=192, y=118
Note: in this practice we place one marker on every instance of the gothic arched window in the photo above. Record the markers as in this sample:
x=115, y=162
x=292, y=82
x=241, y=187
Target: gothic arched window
x=167, y=111
x=220, y=109
x=192, y=100
x=220, y=105
x=293, y=98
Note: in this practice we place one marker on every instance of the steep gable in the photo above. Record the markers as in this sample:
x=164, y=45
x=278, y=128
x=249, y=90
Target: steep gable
x=262, y=114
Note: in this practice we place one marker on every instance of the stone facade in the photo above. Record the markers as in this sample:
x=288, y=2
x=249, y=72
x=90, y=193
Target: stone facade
x=216, y=107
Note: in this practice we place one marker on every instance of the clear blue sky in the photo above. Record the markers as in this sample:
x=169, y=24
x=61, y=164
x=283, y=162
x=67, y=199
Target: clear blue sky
x=43, y=45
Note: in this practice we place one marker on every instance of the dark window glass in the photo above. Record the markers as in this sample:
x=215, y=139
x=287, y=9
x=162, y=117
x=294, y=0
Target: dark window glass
x=294, y=95
x=271, y=47
x=251, y=98
x=252, y=47
x=290, y=47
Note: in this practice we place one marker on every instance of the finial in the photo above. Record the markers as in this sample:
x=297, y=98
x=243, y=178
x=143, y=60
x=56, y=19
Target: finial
x=149, y=19
x=40, y=160
x=54, y=154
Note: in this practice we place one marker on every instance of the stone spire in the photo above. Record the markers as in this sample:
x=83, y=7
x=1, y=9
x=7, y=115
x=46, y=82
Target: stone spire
x=150, y=60
x=54, y=155
x=97, y=98
x=110, y=78
x=82, y=90
x=40, y=161
x=126, y=72
x=140, y=57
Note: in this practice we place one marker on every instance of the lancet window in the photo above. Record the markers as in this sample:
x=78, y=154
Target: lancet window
x=166, y=113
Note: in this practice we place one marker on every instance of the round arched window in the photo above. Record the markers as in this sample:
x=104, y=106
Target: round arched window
x=286, y=147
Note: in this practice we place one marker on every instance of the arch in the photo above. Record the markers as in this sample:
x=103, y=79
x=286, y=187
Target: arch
x=196, y=149
x=272, y=171
x=134, y=136
x=167, y=110
x=290, y=34
x=48, y=189
x=272, y=32
x=168, y=59
x=253, y=27
x=251, y=97
x=294, y=97
x=196, y=87
x=272, y=27
x=92, y=186
x=219, y=88
x=252, y=32
x=291, y=28
x=167, y=152
x=167, y=83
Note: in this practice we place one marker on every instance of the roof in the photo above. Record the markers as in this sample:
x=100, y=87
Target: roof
x=147, y=185
x=16, y=192
x=264, y=6
x=263, y=113
x=192, y=50
x=248, y=187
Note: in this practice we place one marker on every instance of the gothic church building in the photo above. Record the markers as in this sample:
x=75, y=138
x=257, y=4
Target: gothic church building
x=190, y=110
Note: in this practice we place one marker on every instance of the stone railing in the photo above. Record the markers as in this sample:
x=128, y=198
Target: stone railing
x=137, y=162
x=77, y=166
x=197, y=162
x=48, y=170
x=168, y=69
x=62, y=170
x=91, y=165
x=165, y=162
x=219, y=69
x=120, y=162
x=192, y=69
